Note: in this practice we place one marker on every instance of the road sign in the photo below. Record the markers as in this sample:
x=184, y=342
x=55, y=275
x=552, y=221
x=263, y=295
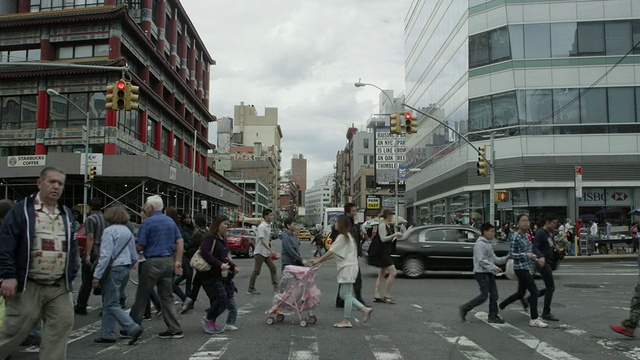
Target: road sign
x=94, y=160
x=373, y=202
x=26, y=160
x=578, y=182
x=402, y=172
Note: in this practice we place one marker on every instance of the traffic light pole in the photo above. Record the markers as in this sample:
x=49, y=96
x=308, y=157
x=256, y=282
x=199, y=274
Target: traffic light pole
x=397, y=165
x=492, y=182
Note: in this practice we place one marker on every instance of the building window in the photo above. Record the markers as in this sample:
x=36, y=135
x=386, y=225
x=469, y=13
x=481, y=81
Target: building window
x=62, y=114
x=618, y=36
x=128, y=123
x=83, y=51
x=176, y=148
x=48, y=5
x=504, y=109
x=151, y=133
x=17, y=150
x=365, y=145
x=591, y=38
x=187, y=155
x=480, y=115
x=19, y=55
x=165, y=141
x=18, y=112
x=537, y=41
x=564, y=39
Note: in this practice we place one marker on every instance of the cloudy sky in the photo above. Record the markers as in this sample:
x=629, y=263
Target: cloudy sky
x=303, y=58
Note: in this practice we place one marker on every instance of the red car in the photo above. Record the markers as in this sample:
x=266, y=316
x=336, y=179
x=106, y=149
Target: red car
x=81, y=238
x=241, y=241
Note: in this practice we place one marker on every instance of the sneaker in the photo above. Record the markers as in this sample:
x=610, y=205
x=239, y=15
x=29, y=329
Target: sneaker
x=502, y=306
x=495, y=320
x=124, y=334
x=210, y=327
x=80, y=310
x=253, y=292
x=463, y=313
x=622, y=330
x=550, y=317
x=186, y=306
x=147, y=317
x=135, y=336
x=171, y=335
x=229, y=327
x=538, y=323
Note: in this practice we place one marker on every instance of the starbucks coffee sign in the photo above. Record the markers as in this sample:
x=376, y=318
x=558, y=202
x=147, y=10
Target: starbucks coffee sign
x=27, y=160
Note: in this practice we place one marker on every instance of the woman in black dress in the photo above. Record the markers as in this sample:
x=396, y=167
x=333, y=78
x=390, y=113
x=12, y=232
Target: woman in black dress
x=386, y=238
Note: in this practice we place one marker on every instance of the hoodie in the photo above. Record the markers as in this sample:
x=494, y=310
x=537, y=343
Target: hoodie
x=484, y=259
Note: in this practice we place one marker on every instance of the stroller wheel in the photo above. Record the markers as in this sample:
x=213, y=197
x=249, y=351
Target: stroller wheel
x=312, y=319
x=271, y=320
x=303, y=323
x=279, y=318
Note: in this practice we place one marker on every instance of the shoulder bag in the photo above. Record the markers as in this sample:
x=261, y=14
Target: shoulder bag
x=198, y=262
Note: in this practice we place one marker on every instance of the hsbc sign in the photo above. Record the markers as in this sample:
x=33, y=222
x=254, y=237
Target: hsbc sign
x=601, y=197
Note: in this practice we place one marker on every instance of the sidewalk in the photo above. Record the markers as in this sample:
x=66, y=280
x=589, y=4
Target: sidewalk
x=602, y=258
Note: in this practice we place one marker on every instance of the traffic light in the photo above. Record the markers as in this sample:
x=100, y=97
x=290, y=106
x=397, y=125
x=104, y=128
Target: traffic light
x=116, y=96
x=92, y=172
x=502, y=196
x=396, y=127
x=410, y=123
x=109, y=104
x=132, y=95
x=482, y=163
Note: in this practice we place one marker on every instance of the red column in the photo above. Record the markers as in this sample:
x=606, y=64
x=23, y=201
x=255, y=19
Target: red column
x=24, y=6
x=145, y=24
x=190, y=157
x=199, y=75
x=207, y=79
x=191, y=65
x=181, y=151
x=160, y=20
x=172, y=37
x=206, y=166
x=112, y=121
x=158, y=130
x=171, y=149
x=197, y=163
x=42, y=118
x=144, y=73
x=182, y=52
x=142, y=126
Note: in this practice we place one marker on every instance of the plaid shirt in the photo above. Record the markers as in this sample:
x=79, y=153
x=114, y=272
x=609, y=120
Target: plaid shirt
x=519, y=246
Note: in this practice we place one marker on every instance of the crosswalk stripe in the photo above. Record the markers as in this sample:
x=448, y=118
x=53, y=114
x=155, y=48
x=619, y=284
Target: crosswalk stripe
x=541, y=347
x=304, y=347
x=468, y=348
x=213, y=349
x=75, y=335
x=383, y=348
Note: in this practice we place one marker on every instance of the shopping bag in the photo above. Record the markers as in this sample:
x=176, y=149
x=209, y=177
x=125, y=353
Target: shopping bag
x=509, y=272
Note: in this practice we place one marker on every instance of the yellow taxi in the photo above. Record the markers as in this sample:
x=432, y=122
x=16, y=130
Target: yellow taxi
x=304, y=235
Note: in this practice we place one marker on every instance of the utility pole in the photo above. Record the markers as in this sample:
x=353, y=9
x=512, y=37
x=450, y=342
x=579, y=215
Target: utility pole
x=492, y=181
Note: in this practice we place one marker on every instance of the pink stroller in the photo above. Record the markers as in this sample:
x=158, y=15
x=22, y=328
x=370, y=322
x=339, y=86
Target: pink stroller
x=296, y=293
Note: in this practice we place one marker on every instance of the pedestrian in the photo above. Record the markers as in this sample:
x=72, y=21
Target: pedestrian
x=629, y=325
x=5, y=206
x=484, y=269
x=161, y=243
x=383, y=246
x=173, y=214
x=186, y=229
x=94, y=226
x=290, y=245
x=522, y=254
x=634, y=236
x=200, y=230
x=264, y=253
x=117, y=255
x=593, y=229
x=542, y=247
x=351, y=211
x=318, y=241
x=37, y=267
x=153, y=296
x=215, y=251
x=232, y=308
x=77, y=217
x=344, y=248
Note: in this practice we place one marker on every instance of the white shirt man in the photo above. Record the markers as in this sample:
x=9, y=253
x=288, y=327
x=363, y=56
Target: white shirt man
x=594, y=229
x=263, y=253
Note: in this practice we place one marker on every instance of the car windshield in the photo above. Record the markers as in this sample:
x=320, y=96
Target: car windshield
x=235, y=232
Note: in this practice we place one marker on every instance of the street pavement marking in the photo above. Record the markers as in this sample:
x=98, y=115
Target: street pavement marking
x=541, y=347
x=383, y=348
x=304, y=347
x=74, y=336
x=468, y=348
x=212, y=349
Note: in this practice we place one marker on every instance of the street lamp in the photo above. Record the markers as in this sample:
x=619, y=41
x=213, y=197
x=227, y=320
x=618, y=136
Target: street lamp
x=397, y=168
x=52, y=92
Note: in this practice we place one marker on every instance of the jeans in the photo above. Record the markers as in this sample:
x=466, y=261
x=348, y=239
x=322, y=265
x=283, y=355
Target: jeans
x=525, y=282
x=259, y=260
x=634, y=314
x=547, y=277
x=113, y=284
x=349, y=300
x=488, y=288
x=155, y=299
x=217, y=297
x=85, y=289
x=233, y=311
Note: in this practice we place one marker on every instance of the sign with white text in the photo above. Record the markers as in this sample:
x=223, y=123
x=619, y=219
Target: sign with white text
x=27, y=160
x=390, y=152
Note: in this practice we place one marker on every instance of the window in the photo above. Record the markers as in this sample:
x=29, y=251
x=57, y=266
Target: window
x=176, y=148
x=18, y=112
x=478, y=50
x=636, y=36
x=165, y=141
x=151, y=133
x=591, y=38
x=187, y=155
x=365, y=145
x=516, y=37
x=504, y=109
x=593, y=106
x=48, y=5
x=62, y=114
x=618, y=37
x=539, y=106
x=566, y=106
x=83, y=51
x=537, y=41
x=621, y=105
x=499, y=45
x=128, y=123
x=480, y=115
x=19, y=55
x=564, y=38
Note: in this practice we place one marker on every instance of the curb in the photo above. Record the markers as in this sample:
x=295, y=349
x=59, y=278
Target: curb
x=600, y=258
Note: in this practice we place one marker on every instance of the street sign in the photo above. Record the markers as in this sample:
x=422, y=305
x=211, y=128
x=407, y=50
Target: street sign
x=173, y=173
x=402, y=172
x=373, y=203
x=578, y=182
x=94, y=160
x=27, y=160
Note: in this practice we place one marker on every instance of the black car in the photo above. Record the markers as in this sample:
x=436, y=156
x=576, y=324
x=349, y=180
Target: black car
x=438, y=247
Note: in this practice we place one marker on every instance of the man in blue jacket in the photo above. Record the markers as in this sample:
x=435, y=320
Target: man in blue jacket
x=38, y=262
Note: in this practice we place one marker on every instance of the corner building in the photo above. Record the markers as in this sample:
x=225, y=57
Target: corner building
x=556, y=81
x=139, y=152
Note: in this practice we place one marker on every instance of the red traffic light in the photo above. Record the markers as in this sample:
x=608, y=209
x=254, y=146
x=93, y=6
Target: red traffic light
x=121, y=85
x=407, y=116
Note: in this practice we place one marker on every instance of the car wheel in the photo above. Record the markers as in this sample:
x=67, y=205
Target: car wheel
x=413, y=268
x=250, y=252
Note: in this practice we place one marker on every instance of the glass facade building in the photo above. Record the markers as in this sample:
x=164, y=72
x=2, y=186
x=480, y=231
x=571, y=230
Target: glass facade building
x=557, y=82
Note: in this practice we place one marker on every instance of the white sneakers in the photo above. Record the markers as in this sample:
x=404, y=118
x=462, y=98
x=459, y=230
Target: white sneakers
x=229, y=327
x=538, y=323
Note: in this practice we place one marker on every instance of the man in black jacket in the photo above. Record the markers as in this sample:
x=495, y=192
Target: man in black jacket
x=351, y=211
x=543, y=248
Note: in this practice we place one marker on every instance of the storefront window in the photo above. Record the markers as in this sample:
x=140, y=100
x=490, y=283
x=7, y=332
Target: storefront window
x=439, y=213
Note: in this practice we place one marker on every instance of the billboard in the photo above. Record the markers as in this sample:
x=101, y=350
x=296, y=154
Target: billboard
x=388, y=155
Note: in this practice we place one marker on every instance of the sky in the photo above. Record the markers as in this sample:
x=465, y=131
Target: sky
x=303, y=56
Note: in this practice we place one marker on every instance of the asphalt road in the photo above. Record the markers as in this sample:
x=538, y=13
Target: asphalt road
x=424, y=324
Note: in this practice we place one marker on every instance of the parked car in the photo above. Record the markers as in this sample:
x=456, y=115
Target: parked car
x=304, y=235
x=438, y=247
x=241, y=242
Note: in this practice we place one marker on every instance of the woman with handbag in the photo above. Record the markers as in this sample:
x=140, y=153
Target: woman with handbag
x=117, y=255
x=212, y=262
x=383, y=245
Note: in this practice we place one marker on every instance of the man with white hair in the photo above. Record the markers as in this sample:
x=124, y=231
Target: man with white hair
x=162, y=245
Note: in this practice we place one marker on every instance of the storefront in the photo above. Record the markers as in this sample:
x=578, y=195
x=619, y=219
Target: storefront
x=606, y=204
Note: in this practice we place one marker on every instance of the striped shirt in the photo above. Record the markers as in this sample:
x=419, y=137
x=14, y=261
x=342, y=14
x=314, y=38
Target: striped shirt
x=519, y=246
x=95, y=225
x=49, y=247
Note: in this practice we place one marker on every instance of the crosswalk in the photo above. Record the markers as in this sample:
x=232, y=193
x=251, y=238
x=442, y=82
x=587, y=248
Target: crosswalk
x=477, y=339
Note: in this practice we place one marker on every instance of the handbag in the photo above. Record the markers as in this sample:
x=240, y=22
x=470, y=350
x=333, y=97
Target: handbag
x=375, y=246
x=198, y=262
x=509, y=271
x=98, y=290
